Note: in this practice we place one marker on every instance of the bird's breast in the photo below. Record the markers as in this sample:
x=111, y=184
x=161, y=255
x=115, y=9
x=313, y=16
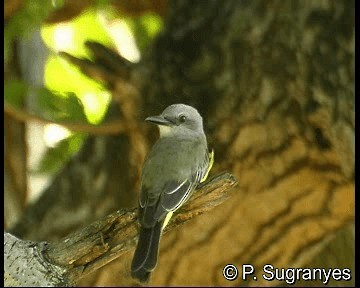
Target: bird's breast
x=171, y=160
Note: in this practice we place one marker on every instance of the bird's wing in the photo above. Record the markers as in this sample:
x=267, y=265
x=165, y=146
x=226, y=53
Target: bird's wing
x=173, y=195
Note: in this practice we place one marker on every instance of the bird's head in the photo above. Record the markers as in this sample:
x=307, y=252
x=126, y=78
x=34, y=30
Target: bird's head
x=178, y=119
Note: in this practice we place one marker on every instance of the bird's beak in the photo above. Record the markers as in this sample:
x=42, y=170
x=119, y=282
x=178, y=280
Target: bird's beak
x=159, y=120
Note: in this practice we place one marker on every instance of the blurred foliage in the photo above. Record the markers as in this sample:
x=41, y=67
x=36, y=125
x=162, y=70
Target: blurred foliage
x=61, y=107
x=144, y=28
x=62, y=76
x=14, y=91
x=32, y=15
x=69, y=95
x=53, y=106
x=86, y=26
x=55, y=157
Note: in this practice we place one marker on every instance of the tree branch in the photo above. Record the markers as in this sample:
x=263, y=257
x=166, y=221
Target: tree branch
x=107, y=67
x=26, y=266
x=92, y=247
x=105, y=128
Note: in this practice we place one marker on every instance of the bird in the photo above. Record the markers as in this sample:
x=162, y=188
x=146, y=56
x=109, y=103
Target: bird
x=177, y=163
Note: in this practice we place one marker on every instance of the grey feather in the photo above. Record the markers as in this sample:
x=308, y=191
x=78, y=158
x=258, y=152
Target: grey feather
x=173, y=168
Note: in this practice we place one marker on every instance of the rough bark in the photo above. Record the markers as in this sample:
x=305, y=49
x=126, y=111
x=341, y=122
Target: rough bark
x=25, y=265
x=274, y=81
x=64, y=262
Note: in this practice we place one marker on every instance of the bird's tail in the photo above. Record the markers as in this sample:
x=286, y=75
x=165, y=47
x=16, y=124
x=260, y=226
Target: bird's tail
x=146, y=253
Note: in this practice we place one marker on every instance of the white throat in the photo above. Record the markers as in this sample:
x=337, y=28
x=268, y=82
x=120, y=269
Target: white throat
x=164, y=130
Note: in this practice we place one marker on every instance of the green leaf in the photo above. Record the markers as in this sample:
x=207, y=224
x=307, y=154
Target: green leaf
x=32, y=14
x=15, y=92
x=75, y=107
x=60, y=107
x=56, y=157
x=144, y=28
x=51, y=105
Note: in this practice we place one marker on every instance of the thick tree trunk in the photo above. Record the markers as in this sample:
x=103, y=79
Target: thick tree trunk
x=274, y=81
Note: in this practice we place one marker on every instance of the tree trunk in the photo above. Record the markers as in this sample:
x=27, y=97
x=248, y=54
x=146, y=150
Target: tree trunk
x=274, y=81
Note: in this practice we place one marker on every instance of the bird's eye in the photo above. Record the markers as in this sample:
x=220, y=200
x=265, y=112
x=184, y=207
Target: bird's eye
x=182, y=118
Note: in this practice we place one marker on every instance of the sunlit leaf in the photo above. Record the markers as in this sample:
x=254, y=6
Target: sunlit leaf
x=95, y=105
x=152, y=23
x=145, y=28
x=80, y=29
x=62, y=76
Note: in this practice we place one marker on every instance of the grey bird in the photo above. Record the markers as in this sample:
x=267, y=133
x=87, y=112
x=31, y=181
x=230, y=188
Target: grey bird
x=176, y=164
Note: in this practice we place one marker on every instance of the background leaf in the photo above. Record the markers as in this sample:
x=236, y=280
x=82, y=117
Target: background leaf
x=56, y=157
x=14, y=92
x=60, y=106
